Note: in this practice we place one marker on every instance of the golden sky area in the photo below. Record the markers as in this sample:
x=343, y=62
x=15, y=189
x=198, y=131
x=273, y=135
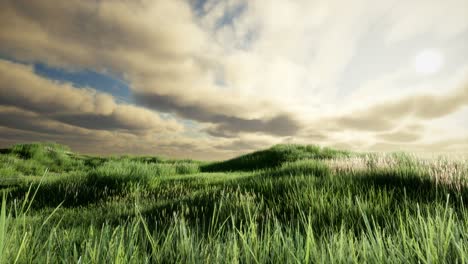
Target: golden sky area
x=211, y=79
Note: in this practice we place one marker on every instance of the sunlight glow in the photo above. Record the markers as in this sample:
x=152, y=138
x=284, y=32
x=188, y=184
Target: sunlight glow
x=428, y=61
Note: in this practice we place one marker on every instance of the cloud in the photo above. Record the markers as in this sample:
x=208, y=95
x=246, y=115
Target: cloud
x=390, y=125
x=408, y=22
x=225, y=124
x=156, y=45
x=400, y=136
x=33, y=108
x=406, y=134
x=454, y=145
x=248, y=143
x=34, y=128
x=424, y=106
x=16, y=118
x=102, y=28
x=388, y=115
x=281, y=125
x=21, y=87
x=236, y=67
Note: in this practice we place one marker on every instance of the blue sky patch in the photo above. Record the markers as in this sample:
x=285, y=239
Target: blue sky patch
x=198, y=6
x=87, y=78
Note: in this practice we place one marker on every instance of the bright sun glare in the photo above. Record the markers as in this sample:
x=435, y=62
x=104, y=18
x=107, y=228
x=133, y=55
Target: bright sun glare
x=428, y=61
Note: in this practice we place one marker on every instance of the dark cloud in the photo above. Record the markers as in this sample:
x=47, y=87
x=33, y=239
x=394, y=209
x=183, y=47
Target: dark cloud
x=16, y=119
x=21, y=87
x=17, y=125
x=224, y=125
x=99, y=122
x=281, y=125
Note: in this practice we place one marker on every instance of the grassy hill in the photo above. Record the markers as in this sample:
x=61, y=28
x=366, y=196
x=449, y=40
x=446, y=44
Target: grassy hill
x=285, y=204
x=274, y=157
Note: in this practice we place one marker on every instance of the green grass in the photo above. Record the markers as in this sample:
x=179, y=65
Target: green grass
x=286, y=204
x=273, y=157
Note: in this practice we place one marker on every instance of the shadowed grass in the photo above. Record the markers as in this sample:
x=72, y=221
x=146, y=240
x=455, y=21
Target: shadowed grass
x=273, y=157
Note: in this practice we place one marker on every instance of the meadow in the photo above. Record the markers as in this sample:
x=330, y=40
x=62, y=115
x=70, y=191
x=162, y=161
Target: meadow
x=285, y=204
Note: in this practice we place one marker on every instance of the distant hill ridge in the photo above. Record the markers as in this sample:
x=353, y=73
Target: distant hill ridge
x=273, y=157
x=55, y=155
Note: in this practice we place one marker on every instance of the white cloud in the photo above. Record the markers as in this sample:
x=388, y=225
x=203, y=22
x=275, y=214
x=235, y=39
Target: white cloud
x=412, y=18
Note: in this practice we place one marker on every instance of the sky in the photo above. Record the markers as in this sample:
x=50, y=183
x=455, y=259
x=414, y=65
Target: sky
x=212, y=79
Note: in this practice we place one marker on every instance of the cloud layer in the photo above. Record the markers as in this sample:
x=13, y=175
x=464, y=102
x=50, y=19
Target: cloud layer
x=20, y=87
x=231, y=76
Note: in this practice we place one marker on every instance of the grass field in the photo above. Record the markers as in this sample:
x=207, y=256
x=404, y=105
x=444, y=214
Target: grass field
x=286, y=204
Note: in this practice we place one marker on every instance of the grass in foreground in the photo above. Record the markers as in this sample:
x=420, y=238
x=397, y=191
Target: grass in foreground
x=301, y=204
